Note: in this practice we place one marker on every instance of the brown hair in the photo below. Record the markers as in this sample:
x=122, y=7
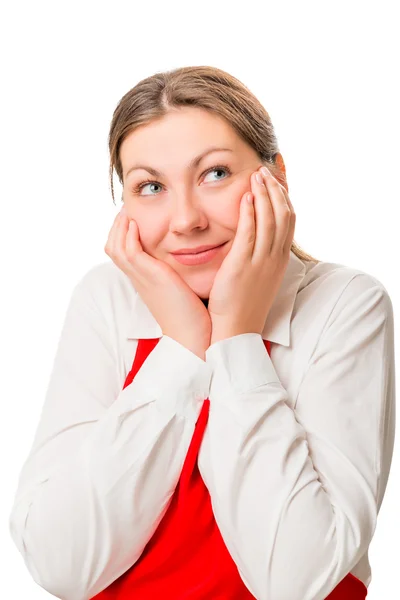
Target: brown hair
x=204, y=87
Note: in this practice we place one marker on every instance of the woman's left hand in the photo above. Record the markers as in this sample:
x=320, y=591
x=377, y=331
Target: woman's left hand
x=251, y=273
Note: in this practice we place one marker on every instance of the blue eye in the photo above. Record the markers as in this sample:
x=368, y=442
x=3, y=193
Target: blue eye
x=218, y=168
x=138, y=188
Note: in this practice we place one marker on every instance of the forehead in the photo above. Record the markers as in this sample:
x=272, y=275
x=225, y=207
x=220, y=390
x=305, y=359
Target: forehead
x=179, y=137
x=188, y=126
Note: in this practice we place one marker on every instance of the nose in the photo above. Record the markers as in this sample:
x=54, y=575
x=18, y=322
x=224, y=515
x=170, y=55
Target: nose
x=186, y=214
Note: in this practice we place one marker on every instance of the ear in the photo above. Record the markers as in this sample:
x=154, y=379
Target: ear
x=281, y=176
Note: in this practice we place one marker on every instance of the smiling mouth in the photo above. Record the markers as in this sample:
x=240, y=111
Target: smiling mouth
x=195, y=251
x=198, y=258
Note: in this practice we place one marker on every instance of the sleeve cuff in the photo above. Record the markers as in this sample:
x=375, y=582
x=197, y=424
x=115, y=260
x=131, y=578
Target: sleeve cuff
x=239, y=364
x=175, y=376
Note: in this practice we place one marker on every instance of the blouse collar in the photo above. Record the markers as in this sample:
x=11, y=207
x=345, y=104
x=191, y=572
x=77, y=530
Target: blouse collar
x=142, y=324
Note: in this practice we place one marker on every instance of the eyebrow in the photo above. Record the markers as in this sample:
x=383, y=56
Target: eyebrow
x=192, y=164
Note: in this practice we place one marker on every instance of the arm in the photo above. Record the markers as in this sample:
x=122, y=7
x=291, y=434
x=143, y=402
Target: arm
x=90, y=494
x=296, y=493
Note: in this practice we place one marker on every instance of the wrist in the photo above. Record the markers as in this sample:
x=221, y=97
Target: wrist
x=196, y=346
x=229, y=332
x=223, y=334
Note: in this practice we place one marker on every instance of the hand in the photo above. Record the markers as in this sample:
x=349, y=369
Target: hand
x=251, y=273
x=177, y=309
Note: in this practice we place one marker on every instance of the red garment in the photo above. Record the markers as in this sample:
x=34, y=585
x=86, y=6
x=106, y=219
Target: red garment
x=186, y=558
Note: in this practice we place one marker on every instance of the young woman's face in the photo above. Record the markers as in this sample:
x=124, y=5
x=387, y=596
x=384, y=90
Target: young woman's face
x=187, y=207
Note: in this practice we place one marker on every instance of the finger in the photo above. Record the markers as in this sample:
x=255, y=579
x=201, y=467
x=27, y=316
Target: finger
x=120, y=246
x=128, y=246
x=135, y=256
x=291, y=222
x=243, y=243
x=265, y=218
x=120, y=238
x=282, y=212
x=109, y=248
x=143, y=264
x=132, y=244
x=291, y=230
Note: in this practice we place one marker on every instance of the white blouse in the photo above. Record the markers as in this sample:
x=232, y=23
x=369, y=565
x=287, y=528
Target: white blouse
x=296, y=454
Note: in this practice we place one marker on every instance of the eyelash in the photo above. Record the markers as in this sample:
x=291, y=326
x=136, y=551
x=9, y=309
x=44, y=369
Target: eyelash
x=138, y=188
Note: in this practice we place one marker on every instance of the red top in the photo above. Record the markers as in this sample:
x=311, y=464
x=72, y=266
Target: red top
x=186, y=558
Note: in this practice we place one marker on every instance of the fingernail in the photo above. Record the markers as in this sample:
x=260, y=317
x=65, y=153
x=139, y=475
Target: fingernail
x=265, y=171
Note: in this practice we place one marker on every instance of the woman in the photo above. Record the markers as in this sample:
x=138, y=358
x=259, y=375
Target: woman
x=218, y=424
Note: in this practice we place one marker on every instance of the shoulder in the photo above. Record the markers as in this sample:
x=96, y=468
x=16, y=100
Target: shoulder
x=335, y=278
x=108, y=289
x=336, y=286
x=105, y=278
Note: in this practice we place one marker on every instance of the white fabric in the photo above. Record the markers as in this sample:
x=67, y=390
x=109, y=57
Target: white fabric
x=296, y=454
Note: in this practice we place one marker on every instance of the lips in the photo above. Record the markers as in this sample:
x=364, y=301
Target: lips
x=196, y=250
x=198, y=258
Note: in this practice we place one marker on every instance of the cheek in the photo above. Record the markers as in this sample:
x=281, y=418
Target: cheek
x=229, y=210
x=148, y=232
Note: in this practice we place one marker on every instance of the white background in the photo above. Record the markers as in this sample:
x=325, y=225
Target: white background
x=326, y=72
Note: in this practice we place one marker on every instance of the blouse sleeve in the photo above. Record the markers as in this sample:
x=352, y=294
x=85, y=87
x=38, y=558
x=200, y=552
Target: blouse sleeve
x=296, y=492
x=92, y=491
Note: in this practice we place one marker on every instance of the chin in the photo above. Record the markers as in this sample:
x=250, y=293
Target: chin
x=202, y=291
x=201, y=284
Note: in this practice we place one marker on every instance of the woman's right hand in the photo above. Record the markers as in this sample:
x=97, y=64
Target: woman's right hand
x=177, y=309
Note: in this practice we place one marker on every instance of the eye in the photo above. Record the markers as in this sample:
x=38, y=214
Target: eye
x=137, y=189
x=219, y=168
